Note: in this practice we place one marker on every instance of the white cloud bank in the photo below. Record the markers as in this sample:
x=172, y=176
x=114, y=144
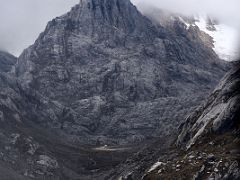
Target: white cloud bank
x=225, y=10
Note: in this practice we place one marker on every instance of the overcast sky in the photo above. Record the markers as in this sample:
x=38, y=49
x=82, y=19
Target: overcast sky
x=21, y=21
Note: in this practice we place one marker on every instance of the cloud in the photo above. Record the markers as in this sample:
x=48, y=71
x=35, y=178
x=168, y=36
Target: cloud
x=21, y=21
x=225, y=10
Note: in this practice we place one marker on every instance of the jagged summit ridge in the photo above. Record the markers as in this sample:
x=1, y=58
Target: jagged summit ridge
x=101, y=18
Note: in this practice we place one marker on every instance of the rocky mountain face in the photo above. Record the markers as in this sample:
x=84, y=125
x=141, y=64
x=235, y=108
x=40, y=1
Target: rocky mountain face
x=209, y=139
x=107, y=73
x=31, y=151
x=101, y=81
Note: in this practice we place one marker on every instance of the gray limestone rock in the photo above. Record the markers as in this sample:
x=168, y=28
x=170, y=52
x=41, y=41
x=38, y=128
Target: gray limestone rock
x=108, y=74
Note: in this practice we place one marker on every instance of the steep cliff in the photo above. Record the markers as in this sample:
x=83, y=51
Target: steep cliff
x=112, y=72
x=219, y=114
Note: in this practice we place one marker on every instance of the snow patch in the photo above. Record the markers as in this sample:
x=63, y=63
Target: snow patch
x=225, y=39
x=186, y=23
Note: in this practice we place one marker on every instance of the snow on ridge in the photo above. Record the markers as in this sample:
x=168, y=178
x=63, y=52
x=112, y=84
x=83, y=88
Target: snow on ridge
x=225, y=39
x=186, y=23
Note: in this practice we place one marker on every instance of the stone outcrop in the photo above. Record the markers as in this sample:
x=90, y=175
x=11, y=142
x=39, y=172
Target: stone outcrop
x=208, y=142
x=219, y=114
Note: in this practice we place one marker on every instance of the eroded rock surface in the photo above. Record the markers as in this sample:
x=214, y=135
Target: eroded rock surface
x=109, y=75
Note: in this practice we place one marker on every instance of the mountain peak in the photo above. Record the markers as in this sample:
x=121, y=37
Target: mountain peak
x=108, y=4
x=107, y=54
x=103, y=19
